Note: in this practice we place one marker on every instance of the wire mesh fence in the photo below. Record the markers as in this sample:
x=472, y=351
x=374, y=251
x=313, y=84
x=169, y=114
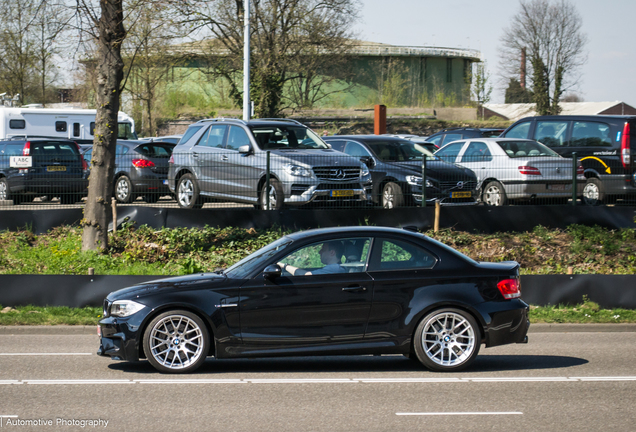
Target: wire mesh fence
x=56, y=174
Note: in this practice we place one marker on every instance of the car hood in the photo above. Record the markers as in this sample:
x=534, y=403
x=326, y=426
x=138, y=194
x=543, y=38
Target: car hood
x=179, y=282
x=438, y=170
x=317, y=157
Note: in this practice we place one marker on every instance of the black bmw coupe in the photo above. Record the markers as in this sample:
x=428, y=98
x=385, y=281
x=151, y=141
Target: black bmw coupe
x=333, y=291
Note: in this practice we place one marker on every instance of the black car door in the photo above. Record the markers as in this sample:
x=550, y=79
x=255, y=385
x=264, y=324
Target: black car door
x=310, y=310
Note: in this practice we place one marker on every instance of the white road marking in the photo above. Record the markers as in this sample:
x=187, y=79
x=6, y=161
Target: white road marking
x=318, y=380
x=459, y=413
x=45, y=354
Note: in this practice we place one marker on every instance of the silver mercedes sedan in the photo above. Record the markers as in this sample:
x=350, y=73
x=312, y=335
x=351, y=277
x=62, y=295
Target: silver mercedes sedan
x=515, y=169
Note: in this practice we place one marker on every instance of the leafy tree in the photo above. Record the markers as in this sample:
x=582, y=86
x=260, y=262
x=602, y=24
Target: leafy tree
x=550, y=31
x=517, y=94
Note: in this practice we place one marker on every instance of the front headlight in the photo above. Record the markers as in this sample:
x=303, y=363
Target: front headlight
x=417, y=181
x=297, y=171
x=124, y=308
x=364, y=171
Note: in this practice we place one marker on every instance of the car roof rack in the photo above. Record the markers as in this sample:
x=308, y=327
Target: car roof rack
x=411, y=228
x=287, y=120
x=222, y=119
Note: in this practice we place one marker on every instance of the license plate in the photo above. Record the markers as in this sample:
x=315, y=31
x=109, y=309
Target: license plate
x=462, y=194
x=557, y=187
x=342, y=193
x=55, y=168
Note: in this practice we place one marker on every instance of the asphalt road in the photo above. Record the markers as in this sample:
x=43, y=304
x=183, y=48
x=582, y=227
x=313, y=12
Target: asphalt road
x=559, y=381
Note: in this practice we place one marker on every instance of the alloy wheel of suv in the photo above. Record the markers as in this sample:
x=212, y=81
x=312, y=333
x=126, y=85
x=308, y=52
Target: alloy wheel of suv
x=188, y=193
x=276, y=196
x=392, y=196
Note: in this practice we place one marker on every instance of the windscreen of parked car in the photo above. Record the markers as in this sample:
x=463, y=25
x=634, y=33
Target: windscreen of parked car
x=400, y=151
x=516, y=149
x=257, y=260
x=155, y=150
x=287, y=137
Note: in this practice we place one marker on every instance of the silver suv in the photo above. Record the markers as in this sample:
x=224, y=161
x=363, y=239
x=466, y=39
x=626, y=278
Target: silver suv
x=227, y=160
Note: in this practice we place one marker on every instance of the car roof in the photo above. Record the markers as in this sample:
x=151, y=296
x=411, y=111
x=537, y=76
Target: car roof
x=367, y=138
x=318, y=232
x=254, y=122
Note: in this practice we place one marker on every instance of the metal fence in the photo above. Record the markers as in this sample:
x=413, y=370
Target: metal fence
x=295, y=179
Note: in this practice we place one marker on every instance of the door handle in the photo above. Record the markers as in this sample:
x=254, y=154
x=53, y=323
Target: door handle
x=196, y=155
x=355, y=289
x=224, y=158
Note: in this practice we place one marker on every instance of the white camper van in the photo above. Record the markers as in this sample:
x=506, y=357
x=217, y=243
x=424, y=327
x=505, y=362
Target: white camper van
x=75, y=124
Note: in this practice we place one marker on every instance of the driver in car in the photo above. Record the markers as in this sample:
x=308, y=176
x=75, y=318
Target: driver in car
x=330, y=255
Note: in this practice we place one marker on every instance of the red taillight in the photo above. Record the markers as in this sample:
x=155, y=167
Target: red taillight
x=509, y=288
x=26, y=151
x=529, y=170
x=142, y=163
x=171, y=160
x=626, y=151
x=579, y=170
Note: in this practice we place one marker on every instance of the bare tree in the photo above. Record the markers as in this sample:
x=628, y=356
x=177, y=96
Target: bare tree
x=107, y=29
x=285, y=35
x=551, y=32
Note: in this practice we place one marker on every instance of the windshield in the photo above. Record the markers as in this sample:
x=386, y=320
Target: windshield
x=287, y=137
x=258, y=259
x=400, y=151
x=515, y=149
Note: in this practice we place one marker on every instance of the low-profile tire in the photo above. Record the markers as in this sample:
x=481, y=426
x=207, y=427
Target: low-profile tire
x=124, y=190
x=447, y=340
x=392, y=196
x=494, y=194
x=276, y=195
x=593, y=192
x=176, y=342
x=188, y=193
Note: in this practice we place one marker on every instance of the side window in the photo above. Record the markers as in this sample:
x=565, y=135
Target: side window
x=237, y=138
x=88, y=155
x=436, y=140
x=449, y=153
x=17, y=124
x=121, y=150
x=451, y=137
x=338, y=145
x=400, y=255
x=92, y=128
x=355, y=149
x=60, y=126
x=519, y=131
x=590, y=134
x=189, y=133
x=477, y=152
x=213, y=137
x=76, y=129
x=333, y=256
x=551, y=133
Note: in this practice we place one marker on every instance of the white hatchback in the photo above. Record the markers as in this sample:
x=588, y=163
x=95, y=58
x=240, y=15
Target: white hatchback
x=509, y=169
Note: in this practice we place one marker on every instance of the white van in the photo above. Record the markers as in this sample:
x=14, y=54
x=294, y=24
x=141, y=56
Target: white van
x=75, y=124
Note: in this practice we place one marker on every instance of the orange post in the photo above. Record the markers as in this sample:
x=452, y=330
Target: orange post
x=379, y=120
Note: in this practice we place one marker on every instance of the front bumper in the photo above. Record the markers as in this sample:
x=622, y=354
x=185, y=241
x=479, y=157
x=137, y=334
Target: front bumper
x=120, y=338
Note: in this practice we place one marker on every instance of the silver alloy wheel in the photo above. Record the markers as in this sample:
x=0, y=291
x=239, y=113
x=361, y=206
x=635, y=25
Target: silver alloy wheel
x=492, y=195
x=122, y=190
x=176, y=342
x=591, y=192
x=3, y=191
x=185, y=192
x=448, y=339
x=388, y=197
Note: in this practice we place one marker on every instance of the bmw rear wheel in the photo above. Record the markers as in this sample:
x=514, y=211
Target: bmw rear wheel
x=447, y=340
x=176, y=342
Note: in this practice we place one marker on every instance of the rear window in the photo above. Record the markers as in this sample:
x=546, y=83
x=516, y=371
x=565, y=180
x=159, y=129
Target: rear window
x=13, y=149
x=155, y=150
x=54, y=150
x=517, y=149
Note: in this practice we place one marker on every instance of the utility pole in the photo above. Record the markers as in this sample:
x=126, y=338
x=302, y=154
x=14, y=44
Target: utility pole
x=246, y=62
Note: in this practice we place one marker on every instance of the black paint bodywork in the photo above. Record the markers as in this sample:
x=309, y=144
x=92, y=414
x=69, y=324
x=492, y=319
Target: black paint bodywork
x=313, y=315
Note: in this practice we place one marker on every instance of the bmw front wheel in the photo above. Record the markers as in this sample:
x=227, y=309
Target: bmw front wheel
x=176, y=342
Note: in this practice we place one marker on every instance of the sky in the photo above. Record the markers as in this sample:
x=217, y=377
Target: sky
x=608, y=75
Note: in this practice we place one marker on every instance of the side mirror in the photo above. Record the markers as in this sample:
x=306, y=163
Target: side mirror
x=245, y=149
x=272, y=272
x=368, y=161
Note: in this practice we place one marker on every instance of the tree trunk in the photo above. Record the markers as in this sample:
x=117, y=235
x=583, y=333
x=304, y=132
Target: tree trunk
x=97, y=213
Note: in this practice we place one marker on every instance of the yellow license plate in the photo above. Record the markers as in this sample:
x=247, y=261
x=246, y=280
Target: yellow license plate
x=341, y=193
x=463, y=194
x=55, y=168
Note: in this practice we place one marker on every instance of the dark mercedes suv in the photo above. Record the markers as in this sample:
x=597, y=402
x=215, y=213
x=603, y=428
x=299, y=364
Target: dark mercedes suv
x=603, y=145
x=38, y=167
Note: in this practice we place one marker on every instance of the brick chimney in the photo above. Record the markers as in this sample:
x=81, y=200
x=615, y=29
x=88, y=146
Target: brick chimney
x=522, y=78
